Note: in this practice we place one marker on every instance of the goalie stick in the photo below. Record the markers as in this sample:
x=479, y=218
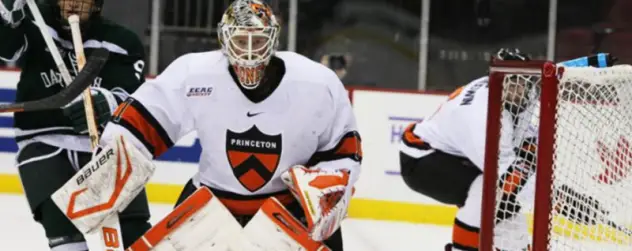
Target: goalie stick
x=110, y=230
x=77, y=41
x=81, y=82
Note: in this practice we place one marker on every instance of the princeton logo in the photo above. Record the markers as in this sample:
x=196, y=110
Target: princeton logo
x=199, y=91
x=254, y=156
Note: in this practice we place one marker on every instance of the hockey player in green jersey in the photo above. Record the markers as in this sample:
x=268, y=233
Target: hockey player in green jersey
x=54, y=144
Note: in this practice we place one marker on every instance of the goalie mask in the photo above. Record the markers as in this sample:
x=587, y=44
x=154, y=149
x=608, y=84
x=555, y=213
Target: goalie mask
x=249, y=37
x=518, y=89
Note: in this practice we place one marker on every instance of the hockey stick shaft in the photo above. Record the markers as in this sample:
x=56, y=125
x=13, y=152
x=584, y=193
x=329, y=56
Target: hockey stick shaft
x=599, y=60
x=77, y=41
x=81, y=82
x=109, y=236
x=48, y=39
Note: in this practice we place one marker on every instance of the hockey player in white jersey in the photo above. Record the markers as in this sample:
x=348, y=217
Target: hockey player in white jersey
x=271, y=125
x=443, y=158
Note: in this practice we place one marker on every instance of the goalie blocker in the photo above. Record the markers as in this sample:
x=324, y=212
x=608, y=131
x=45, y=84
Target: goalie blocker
x=103, y=188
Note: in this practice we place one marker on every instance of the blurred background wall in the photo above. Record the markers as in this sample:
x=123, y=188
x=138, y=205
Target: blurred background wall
x=377, y=42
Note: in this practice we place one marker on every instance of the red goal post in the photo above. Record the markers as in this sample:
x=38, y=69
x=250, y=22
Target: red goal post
x=498, y=71
x=577, y=198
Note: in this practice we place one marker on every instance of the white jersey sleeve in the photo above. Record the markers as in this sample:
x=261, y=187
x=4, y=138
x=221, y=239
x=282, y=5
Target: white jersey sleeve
x=459, y=127
x=154, y=116
x=339, y=143
x=474, y=138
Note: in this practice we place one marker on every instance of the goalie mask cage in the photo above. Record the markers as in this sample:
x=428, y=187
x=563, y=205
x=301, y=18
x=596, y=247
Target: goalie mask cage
x=571, y=188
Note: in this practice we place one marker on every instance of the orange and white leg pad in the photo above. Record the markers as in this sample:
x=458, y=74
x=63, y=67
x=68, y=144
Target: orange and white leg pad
x=202, y=223
x=199, y=223
x=274, y=228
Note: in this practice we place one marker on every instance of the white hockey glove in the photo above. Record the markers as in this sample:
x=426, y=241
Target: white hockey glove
x=324, y=196
x=104, y=186
x=13, y=16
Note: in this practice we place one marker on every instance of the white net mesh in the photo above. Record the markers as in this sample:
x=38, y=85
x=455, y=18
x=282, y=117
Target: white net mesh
x=592, y=161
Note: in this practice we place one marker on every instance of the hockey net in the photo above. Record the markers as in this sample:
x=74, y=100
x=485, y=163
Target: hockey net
x=571, y=186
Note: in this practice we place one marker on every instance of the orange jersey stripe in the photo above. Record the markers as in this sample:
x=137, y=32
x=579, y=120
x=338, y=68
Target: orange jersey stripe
x=512, y=181
x=135, y=119
x=464, y=236
x=410, y=138
x=350, y=145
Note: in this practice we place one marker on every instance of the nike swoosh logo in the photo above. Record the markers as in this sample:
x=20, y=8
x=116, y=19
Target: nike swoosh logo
x=179, y=216
x=253, y=114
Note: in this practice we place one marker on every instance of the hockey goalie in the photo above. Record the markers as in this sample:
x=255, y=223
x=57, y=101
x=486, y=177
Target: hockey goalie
x=280, y=148
x=443, y=158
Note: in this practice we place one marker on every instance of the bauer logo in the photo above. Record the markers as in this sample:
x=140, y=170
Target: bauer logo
x=199, y=91
x=86, y=172
x=397, y=124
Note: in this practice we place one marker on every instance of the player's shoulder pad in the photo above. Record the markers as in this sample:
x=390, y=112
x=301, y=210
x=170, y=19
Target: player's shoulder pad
x=193, y=65
x=483, y=79
x=119, y=39
x=309, y=72
x=207, y=61
x=203, y=63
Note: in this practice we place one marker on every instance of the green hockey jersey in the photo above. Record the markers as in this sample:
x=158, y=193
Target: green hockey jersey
x=40, y=78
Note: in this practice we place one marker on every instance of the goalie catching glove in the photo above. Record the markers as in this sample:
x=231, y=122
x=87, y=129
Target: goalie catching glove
x=324, y=196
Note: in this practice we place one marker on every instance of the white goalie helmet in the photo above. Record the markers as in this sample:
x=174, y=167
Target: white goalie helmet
x=249, y=36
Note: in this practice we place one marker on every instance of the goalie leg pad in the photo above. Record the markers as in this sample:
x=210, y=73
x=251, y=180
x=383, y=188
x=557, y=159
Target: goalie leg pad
x=274, y=228
x=135, y=219
x=105, y=186
x=201, y=222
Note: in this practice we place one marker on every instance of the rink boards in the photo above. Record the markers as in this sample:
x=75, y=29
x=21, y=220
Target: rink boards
x=380, y=193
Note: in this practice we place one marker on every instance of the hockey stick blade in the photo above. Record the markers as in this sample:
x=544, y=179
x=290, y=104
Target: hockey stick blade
x=84, y=79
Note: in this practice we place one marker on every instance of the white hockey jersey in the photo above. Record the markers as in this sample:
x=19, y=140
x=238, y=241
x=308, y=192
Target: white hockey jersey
x=246, y=146
x=459, y=126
